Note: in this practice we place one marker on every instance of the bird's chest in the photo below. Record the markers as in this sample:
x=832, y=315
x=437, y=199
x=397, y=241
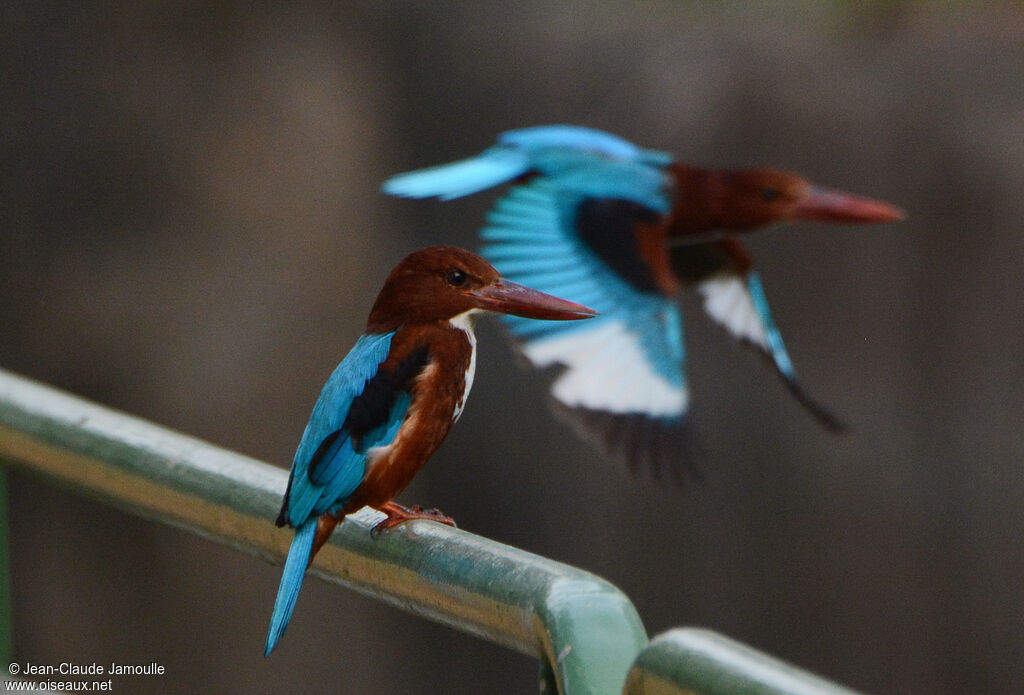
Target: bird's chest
x=438, y=395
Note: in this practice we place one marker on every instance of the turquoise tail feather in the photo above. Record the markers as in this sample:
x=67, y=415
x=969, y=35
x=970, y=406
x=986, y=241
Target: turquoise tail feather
x=291, y=582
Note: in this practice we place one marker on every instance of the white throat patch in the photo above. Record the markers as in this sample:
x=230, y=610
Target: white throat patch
x=464, y=322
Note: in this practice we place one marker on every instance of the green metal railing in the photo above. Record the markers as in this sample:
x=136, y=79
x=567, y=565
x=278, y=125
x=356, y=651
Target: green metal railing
x=585, y=632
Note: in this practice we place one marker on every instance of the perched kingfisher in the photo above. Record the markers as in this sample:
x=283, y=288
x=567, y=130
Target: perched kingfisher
x=391, y=401
x=624, y=229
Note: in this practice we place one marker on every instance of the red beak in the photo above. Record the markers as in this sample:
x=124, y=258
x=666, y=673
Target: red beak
x=507, y=297
x=830, y=205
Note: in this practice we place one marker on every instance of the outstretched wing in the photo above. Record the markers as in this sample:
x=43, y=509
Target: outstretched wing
x=331, y=458
x=734, y=298
x=572, y=235
x=547, y=149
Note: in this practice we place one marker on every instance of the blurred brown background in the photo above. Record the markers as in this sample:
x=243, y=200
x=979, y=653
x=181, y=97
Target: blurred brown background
x=192, y=232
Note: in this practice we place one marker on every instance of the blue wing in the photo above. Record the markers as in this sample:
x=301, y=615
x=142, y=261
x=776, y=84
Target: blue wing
x=547, y=149
x=331, y=462
x=328, y=467
x=490, y=168
x=622, y=371
x=589, y=141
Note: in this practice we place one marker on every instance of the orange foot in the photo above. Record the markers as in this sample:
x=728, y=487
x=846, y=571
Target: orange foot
x=397, y=514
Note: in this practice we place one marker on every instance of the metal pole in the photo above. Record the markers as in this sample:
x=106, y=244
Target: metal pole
x=585, y=628
x=691, y=661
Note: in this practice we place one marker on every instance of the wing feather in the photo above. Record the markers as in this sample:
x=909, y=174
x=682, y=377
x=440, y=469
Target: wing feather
x=327, y=467
x=447, y=181
x=628, y=362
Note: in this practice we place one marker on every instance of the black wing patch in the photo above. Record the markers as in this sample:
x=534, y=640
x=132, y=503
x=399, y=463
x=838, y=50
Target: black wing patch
x=693, y=263
x=607, y=226
x=371, y=408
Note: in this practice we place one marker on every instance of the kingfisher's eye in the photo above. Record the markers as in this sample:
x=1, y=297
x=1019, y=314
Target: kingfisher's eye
x=770, y=194
x=455, y=277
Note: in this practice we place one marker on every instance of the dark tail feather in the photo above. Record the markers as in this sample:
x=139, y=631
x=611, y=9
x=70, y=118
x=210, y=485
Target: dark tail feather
x=291, y=582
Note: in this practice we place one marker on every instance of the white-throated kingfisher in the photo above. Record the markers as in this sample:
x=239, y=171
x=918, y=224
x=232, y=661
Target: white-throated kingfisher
x=623, y=229
x=390, y=403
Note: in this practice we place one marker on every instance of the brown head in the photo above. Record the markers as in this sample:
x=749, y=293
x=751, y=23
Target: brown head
x=439, y=283
x=748, y=198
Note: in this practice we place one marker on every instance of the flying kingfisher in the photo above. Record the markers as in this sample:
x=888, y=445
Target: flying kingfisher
x=624, y=229
x=390, y=403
